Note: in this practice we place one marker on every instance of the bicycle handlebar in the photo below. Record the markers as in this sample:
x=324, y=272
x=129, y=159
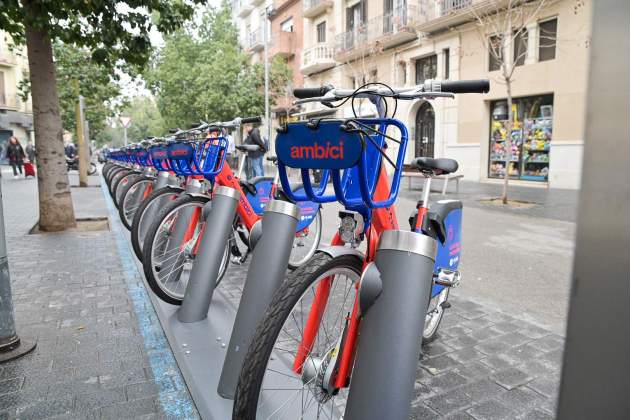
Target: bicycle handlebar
x=249, y=120
x=303, y=93
x=465, y=86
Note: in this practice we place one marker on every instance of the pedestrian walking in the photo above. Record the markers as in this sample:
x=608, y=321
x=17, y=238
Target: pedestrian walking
x=16, y=155
x=255, y=155
x=231, y=150
x=30, y=151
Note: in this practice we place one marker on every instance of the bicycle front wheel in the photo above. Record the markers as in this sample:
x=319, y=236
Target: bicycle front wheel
x=132, y=198
x=170, y=247
x=281, y=378
x=147, y=212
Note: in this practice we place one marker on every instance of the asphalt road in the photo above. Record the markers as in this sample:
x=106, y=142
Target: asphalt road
x=517, y=264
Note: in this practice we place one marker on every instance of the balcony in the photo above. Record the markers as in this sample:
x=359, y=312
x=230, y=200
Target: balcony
x=379, y=33
x=283, y=44
x=7, y=59
x=253, y=41
x=440, y=15
x=317, y=58
x=245, y=8
x=314, y=8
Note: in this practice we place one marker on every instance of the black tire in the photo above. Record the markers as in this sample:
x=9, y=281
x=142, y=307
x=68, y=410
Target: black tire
x=110, y=176
x=116, y=177
x=147, y=254
x=122, y=209
x=268, y=330
x=317, y=222
x=106, y=168
x=138, y=220
x=123, y=182
x=92, y=168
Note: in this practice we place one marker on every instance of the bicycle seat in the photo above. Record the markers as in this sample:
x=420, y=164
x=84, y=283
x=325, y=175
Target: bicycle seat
x=441, y=166
x=248, y=186
x=272, y=159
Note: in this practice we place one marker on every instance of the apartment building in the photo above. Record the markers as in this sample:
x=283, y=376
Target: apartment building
x=405, y=42
x=16, y=115
x=284, y=39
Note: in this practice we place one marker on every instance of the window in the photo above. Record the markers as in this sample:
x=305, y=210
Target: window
x=287, y=25
x=426, y=68
x=2, y=95
x=355, y=15
x=321, y=32
x=495, y=53
x=402, y=73
x=547, y=32
x=447, y=63
x=520, y=47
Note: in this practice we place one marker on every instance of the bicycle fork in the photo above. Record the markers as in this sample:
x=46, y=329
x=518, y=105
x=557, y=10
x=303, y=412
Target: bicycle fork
x=393, y=297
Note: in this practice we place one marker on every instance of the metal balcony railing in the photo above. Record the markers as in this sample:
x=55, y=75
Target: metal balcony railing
x=399, y=20
x=312, y=8
x=432, y=9
x=9, y=101
x=254, y=40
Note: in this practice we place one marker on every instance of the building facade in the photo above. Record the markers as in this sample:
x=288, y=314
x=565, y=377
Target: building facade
x=16, y=115
x=403, y=43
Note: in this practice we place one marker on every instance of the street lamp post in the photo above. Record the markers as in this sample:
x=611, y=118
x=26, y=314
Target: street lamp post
x=125, y=121
x=268, y=12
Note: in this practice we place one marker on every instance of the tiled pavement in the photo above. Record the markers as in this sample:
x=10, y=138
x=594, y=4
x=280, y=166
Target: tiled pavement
x=101, y=352
x=93, y=360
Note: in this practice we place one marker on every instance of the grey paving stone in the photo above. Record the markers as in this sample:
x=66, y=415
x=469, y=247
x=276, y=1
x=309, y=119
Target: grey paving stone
x=46, y=409
x=449, y=402
x=514, y=339
x=440, y=364
x=535, y=414
x=445, y=381
x=548, y=343
x=493, y=346
x=520, y=399
x=466, y=354
x=548, y=386
x=435, y=349
x=477, y=323
x=485, y=333
x=461, y=342
x=490, y=410
x=482, y=390
x=11, y=385
x=473, y=370
x=129, y=410
x=142, y=390
x=100, y=398
x=422, y=412
x=511, y=378
x=473, y=314
x=506, y=326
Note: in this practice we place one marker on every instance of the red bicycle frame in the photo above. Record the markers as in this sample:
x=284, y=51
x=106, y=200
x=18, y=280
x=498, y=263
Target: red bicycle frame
x=382, y=219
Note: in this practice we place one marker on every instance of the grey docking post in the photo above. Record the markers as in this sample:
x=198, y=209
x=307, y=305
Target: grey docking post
x=391, y=330
x=161, y=180
x=266, y=273
x=203, y=276
x=11, y=346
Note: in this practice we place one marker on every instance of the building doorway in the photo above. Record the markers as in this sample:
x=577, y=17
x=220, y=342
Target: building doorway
x=425, y=131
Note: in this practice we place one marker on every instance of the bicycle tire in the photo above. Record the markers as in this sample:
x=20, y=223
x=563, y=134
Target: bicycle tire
x=111, y=176
x=285, y=299
x=147, y=254
x=121, y=184
x=138, y=218
x=116, y=177
x=124, y=201
x=318, y=221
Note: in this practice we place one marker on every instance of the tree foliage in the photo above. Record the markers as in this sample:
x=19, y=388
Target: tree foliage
x=202, y=74
x=78, y=74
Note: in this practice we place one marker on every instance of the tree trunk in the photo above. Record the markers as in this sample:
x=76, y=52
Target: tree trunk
x=508, y=141
x=56, y=212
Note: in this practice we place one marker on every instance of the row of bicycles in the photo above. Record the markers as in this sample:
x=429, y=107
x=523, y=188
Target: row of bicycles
x=339, y=334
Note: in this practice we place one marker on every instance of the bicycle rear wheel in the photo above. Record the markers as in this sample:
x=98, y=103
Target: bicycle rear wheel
x=123, y=183
x=268, y=386
x=306, y=242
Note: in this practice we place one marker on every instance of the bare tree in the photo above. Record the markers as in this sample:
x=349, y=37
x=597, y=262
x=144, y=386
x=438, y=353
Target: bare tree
x=502, y=27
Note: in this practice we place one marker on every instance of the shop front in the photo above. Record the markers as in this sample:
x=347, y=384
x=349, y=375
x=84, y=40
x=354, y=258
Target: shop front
x=531, y=138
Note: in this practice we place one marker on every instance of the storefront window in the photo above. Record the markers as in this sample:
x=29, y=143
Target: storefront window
x=530, y=138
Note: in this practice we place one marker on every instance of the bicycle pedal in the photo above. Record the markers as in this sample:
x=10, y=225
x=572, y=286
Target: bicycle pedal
x=446, y=304
x=447, y=278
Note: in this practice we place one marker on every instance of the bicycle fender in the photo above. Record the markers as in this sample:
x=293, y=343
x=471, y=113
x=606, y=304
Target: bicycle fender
x=370, y=288
x=339, y=250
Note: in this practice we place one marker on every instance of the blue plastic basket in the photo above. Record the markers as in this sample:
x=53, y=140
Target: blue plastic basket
x=350, y=152
x=204, y=157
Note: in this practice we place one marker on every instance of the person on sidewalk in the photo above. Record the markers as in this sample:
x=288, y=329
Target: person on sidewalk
x=30, y=151
x=231, y=150
x=16, y=155
x=255, y=155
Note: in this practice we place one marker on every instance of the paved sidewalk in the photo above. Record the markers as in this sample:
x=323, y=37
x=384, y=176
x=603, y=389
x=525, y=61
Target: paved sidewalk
x=551, y=203
x=101, y=351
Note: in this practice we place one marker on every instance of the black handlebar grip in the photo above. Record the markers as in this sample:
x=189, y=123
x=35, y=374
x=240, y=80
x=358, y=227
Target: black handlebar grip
x=466, y=86
x=249, y=120
x=173, y=130
x=195, y=125
x=303, y=93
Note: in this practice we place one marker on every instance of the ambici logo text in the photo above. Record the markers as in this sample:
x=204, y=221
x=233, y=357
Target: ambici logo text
x=317, y=151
